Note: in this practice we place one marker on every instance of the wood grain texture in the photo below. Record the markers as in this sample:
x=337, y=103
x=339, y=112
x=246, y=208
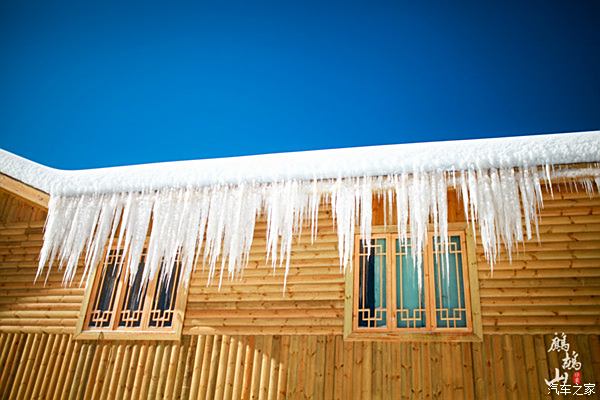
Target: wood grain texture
x=551, y=285
x=24, y=192
x=289, y=367
x=252, y=340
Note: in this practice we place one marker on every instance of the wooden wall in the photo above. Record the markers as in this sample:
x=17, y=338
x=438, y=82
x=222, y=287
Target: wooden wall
x=46, y=305
x=553, y=285
x=283, y=367
x=252, y=340
x=311, y=304
x=14, y=209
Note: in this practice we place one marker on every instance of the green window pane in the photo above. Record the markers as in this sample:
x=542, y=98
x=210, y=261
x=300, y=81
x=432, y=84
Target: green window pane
x=410, y=301
x=372, y=285
x=450, y=308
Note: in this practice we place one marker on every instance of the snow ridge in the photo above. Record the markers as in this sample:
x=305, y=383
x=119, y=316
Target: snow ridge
x=460, y=155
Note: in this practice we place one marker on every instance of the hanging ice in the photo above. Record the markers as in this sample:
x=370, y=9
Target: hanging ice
x=204, y=212
x=215, y=225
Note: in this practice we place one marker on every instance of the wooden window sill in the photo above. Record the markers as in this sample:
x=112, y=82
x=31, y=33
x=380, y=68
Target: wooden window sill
x=413, y=337
x=128, y=335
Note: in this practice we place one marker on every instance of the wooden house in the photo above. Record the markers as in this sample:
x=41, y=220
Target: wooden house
x=356, y=314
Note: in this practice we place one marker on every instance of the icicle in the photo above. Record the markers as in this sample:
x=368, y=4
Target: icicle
x=365, y=204
x=54, y=225
x=588, y=185
x=390, y=202
x=419, y=206
x=442, y=220
x=315, y=200
x=286, y=208
x=108, y=215
x=401, y=190
x=192, y=232
x=344, y=213
x=219, y=221
x=547, y=169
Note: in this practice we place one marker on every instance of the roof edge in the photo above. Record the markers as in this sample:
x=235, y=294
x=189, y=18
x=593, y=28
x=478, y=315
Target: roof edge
x=26, y=192
x=456, y=155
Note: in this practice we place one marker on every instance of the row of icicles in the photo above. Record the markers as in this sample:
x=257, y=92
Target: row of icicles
x=502, y=204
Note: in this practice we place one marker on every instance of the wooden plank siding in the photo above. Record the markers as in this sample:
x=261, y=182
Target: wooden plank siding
x=250, y=339
x=53, y=366
x=16, y=209
x=551, y=285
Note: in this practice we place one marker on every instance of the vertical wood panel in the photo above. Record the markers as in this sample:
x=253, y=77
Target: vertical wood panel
x=552, y=358
x=478, y=370
x=499, y=367
x=357, y=370
x=164, y=370
x=197, y=368
x=230, y=373
x=541, y=361
x=240, y=361
x=366, y=382
x=20, y=366
x=248, y=363
x=580, y=344
x=595, y=353
x=533, y=387
x=488, y=357
x=130, y=379
x=520, y=364
x=147, y=372
x=347, y=388
x=220, y=368
x=182, y=385
x=468, y=376
x=407, y=378
x=256, y=367
x=98, y=382
x=31, y=367
x=509, y=367
x=87, y=365
x=282, y=367
x=265, y=363
x=274, y=368
x=458, y=371
x=338, y=371
x=436, y=370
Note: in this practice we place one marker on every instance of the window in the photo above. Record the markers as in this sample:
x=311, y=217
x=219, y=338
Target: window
x=116, y=308
x=390, y=298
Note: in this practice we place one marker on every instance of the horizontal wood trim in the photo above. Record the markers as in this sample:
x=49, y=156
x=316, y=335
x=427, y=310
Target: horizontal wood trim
x=24, y=191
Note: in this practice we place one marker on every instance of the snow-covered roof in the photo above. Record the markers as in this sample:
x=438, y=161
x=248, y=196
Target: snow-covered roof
x=458, y=155
x=211, y=206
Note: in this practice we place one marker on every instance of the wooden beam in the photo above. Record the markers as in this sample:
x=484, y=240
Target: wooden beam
x=24, y=191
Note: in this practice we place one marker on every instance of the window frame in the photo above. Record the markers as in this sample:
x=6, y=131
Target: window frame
x=471, y=333
x=173, y=333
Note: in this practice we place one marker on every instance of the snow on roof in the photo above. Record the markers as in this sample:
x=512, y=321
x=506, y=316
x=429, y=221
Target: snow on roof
x=211, y=206
x=458, y=155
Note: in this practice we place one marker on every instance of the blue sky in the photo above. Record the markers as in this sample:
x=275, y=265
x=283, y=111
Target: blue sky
x=86, y=86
